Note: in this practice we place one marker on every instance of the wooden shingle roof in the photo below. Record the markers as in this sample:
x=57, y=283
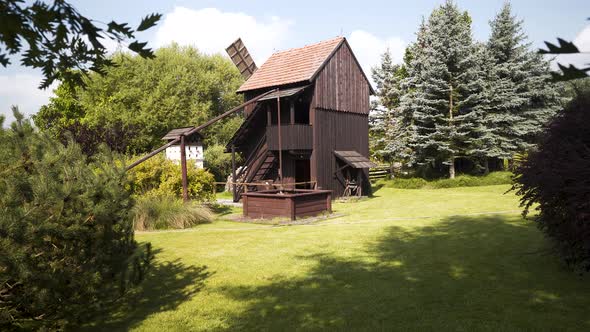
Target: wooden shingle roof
x=355, y=159
x=292, y=66
x=175, y=133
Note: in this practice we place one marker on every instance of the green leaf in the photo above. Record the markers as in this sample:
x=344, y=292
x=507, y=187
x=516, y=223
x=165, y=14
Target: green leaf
x=149, y=21
x=140, y=49
x=136, y=46
x=569, y=73
x=4, y=60
x=122, y=28
x=565, y=47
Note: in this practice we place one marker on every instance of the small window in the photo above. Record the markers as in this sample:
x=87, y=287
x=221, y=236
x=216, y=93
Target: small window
x=301, y=112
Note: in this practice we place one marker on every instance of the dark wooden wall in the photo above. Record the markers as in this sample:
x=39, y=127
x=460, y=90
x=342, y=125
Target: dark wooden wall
x=341, y=85
x=335, y=130
x=339, y=114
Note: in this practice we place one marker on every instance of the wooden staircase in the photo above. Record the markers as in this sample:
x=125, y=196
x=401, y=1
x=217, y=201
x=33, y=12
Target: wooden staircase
x=266, y=166
x=259, y=165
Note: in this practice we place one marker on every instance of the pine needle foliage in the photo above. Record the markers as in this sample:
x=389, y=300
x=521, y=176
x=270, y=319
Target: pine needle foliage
x=66, y=233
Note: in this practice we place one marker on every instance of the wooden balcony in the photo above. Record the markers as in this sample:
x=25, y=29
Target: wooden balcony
x=293, y=136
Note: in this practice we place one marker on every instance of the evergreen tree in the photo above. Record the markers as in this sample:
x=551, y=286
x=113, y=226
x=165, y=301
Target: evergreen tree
x=444, y=87
x=379, y=117
x=66, y=231
x=389, y=126
x=519, y=99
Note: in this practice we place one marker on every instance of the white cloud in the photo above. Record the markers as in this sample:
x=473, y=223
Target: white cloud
x=21, y=89
x=212, y=30
x=368, y=49
x=582, y=41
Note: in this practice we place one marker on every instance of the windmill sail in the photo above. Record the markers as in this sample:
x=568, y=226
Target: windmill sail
x=241, y=58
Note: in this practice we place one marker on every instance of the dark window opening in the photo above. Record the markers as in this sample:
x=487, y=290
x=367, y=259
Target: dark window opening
x=302, y=111
x=302, y=173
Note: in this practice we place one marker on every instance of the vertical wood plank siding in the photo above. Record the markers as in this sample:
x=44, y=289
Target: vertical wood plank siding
x=341, y=85
x=340, y=108
x=295, y=137
x=337, y=131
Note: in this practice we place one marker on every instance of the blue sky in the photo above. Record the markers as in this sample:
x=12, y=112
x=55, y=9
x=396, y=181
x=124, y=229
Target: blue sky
x=268, y=26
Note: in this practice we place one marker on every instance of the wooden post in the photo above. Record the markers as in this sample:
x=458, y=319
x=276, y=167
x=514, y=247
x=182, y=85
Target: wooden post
x=233, y=172
x=268, y=116
x=280, y=140
x=245, y=205
x=199, y=128
x=183, y=168
x=292, y=212
x=292, y=111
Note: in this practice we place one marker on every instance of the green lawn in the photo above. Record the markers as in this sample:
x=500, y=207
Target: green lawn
x=403, y=260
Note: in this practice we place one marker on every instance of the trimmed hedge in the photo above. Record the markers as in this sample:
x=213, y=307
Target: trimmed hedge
x=495, y=178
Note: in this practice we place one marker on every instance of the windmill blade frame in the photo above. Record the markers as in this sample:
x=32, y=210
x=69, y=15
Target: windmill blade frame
x=240, y=56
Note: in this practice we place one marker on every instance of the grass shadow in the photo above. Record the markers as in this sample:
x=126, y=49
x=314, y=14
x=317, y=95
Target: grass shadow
x=461, y=274
x=166, y=286
x=221, y=209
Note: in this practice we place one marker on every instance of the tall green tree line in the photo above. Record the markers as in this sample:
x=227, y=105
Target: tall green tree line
x=456, y=98
x=137, y=101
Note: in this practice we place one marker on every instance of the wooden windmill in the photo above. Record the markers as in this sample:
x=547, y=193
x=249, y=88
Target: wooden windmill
x=240, y=56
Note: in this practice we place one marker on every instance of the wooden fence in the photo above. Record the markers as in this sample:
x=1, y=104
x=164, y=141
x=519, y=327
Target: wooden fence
x=274, y=185
x=380, y=172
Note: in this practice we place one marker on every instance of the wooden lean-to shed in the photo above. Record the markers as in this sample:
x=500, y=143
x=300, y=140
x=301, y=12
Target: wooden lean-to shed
x=314, y=123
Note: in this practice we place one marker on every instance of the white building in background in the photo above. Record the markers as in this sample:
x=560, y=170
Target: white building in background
x=193, y=146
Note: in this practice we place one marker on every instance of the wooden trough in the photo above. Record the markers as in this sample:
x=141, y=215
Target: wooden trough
x=294, y=203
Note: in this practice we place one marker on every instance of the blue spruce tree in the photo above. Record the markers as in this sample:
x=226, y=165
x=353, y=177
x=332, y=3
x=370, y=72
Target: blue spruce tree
x=444, y=87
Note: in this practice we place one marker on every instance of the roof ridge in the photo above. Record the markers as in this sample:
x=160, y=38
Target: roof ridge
x=309, y=45
x=293, y=65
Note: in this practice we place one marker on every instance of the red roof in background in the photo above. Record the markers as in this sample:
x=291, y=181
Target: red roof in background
x=291, y=66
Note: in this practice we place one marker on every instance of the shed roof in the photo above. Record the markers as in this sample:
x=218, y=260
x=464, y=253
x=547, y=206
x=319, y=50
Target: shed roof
x=175, y=133
x=354, y=159
x=283, y=93
x=292, y=66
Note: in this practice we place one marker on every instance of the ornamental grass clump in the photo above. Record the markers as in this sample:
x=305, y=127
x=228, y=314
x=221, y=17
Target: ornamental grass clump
x=166, y=212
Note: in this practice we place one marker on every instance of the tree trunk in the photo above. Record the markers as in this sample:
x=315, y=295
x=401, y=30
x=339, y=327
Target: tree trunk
x=486, y=166
x=452, y=159
x=452, y=168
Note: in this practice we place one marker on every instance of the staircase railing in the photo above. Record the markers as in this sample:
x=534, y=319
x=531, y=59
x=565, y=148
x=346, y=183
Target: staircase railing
x=250, y=171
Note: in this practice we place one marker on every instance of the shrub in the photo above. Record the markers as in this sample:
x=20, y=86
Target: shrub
x=218, y=162
x=555, y=181
x=66, y=231
x=494, y=178
x=167, y=212
x=402, y=183
x=161, y=177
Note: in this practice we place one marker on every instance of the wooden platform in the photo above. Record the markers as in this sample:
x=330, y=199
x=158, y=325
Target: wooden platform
x=270, y=204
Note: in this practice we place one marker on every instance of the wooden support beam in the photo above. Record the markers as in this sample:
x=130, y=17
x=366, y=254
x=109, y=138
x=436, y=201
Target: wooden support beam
x=153, y=153
x=280, y=140
x=233, y=172
x=292, y=111
x=183, y=168
x=196, y=129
